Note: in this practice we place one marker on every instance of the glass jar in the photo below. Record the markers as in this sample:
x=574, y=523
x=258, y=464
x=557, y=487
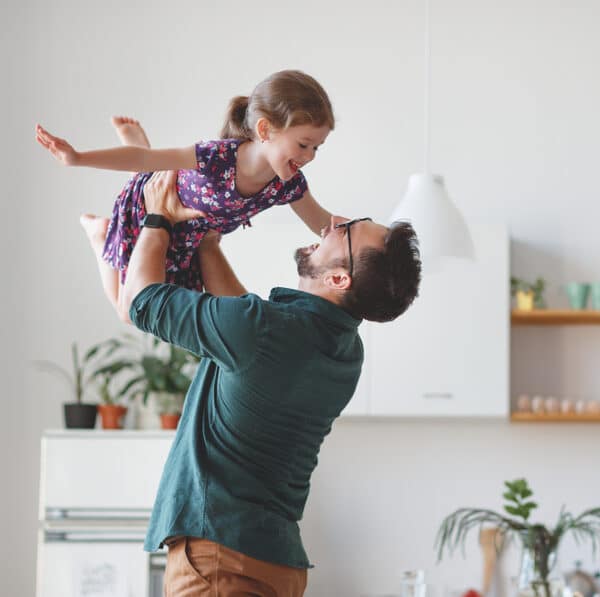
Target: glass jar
x=535, y=576
x=412, y=583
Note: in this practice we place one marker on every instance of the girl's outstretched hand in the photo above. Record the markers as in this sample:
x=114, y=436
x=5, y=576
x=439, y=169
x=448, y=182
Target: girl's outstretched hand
x=160, y=197
x=59, y=148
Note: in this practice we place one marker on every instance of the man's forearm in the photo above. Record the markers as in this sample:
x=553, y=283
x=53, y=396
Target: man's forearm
x=147, y=263
x=217, y=276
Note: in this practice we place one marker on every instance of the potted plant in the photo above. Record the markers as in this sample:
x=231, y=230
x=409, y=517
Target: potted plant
x=78, y=415
x=529, y=295
x=539, y=543
x=169, y=408
x=162, y=372
x=111, y=412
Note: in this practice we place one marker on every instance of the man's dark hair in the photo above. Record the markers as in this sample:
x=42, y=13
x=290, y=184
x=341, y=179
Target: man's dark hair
x=385, y=283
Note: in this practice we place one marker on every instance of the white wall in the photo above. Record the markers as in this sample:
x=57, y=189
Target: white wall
x=515, y=132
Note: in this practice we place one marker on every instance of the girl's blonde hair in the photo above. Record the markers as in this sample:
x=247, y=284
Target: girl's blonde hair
x=286, y=98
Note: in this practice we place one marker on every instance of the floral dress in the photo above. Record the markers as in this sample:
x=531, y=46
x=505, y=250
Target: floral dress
x=209, y=188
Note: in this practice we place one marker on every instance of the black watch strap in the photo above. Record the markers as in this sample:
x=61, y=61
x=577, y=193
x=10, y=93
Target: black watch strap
x=157, y=221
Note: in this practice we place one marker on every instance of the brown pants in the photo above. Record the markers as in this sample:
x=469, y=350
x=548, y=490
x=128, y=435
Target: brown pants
x=202, y=568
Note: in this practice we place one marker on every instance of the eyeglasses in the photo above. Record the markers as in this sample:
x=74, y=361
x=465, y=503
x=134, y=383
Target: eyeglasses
x=347, y=226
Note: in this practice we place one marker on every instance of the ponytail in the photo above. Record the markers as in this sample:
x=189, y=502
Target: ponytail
x=235, y=126
x=286, y=98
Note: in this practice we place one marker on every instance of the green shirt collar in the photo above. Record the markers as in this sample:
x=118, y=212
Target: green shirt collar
x=315, y=304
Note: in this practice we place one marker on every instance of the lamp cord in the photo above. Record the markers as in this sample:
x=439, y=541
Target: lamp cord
x=427, y=86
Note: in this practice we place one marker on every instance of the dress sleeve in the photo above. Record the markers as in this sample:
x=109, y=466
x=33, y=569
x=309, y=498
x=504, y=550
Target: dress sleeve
x=293, y=189
x=205, y=151
x=224, y=329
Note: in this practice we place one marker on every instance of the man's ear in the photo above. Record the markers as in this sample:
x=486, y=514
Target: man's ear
x=337, y=279
x=262, y=129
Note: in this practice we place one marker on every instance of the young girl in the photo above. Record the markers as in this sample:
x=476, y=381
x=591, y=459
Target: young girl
x=267, y=137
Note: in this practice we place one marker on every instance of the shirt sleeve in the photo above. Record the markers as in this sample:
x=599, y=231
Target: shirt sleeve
x=293, y=189
x=224, y=329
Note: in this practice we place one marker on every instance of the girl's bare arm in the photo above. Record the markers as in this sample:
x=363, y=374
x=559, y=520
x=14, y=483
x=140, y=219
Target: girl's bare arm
x=217, y=274
x=128, y=158
x=311, y=213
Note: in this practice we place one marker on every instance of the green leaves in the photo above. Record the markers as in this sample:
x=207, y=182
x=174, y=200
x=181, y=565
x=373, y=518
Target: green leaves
x=125, y=368
x=537, y=538
x=157, y=368
x=518, y=491
x=537, y=288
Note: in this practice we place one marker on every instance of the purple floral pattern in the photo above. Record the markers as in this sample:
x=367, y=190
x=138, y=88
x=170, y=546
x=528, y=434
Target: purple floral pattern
x=209, y=188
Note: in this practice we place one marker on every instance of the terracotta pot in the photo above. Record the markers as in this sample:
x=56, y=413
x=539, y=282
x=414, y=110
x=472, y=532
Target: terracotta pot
x=112, y=415
x=169, y=421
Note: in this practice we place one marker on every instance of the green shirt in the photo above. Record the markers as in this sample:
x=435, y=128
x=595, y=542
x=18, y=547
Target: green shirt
x=274, y=376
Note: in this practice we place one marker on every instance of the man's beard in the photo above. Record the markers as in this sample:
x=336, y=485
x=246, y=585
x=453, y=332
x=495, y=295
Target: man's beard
x=305, y=268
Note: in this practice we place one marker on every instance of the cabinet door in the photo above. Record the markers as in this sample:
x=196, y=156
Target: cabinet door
x=93, y=568
x=448, y=354
x=80, y=470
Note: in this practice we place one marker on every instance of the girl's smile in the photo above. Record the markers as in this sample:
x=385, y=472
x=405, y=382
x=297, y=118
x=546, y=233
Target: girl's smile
x=290, y=149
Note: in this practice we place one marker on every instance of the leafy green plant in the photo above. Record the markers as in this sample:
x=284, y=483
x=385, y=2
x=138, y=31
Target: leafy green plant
x=170, y=404
x=161, y=369
x=540, y=540
x=105, y=391
x=537, y=288
x=82, y=373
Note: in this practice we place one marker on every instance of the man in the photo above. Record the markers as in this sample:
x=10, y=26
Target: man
x=274, y=375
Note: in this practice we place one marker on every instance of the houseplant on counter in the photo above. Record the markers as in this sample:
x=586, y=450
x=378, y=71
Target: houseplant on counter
x=111, y=412
x=78, y=415
x=539, y=543
x=162, y=371
x=169, y=409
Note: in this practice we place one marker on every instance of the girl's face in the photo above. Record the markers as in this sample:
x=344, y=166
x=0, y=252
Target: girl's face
x=288, y=150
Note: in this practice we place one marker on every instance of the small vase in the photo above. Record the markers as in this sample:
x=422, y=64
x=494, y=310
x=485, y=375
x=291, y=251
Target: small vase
x=169, y=420
x=525, y=300
x=80, y=416
x=536, y=578
x=112, y=415
x=146, y=415
x=578, y=294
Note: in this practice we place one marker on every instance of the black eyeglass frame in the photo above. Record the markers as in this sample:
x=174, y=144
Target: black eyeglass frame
x=347, y=226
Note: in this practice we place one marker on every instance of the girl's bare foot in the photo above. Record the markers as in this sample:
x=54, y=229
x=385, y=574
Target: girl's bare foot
x=130, y=131
x=96, y=228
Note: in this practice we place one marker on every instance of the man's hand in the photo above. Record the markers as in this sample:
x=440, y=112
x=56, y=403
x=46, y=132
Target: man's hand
x=160, y=196
x=59, y=148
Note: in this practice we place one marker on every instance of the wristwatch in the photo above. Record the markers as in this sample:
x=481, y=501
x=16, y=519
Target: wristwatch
x=157, y=221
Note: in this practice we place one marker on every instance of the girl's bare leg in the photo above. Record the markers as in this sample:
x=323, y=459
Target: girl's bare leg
x=130, y=133
x=96, y=227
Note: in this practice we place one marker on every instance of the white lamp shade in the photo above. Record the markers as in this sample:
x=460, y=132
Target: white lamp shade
x=440, y=227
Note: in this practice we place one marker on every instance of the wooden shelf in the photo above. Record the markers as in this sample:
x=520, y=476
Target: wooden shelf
x=555, y=317
x=554, y=418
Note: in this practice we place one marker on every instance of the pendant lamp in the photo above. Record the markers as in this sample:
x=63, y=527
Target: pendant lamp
x=439, y=225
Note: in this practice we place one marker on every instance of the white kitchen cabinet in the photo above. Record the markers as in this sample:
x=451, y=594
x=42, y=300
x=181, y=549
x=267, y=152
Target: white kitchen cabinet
x=359, y=404
x=80, y=470
x=448, y=354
